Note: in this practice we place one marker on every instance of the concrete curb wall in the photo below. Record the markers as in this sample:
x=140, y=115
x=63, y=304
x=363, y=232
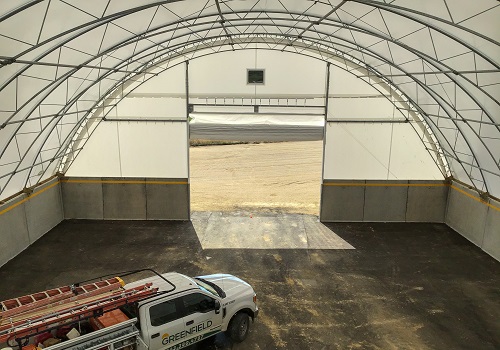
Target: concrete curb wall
x=476, y=219
x=26, y=218
x=126, y=198
x=383, y=201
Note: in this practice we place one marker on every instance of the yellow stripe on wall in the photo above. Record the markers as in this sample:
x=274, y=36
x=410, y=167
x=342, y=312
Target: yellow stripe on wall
x=132, y=182
x=381, y=184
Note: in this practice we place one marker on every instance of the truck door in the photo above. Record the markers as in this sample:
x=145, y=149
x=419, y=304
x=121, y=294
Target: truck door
x=165, y=324
x=201, y=318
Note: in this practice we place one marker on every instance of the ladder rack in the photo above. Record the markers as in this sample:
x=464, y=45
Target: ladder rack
x=35, y=313
x=61, y=295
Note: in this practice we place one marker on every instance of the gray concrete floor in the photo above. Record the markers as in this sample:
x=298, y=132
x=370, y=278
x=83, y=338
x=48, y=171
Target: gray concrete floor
x=389, y=286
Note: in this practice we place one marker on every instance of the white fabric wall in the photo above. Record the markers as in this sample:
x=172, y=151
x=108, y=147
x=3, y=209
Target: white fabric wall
x=376, y=151
x=134, y=149
x=352, y=98
x=163, y=96
x=371, y=150
x=285, y=73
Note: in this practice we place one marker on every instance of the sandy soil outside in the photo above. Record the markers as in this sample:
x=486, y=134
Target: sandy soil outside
x=266, y=177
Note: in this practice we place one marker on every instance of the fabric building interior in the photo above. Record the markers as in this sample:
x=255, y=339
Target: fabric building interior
x=376, y=131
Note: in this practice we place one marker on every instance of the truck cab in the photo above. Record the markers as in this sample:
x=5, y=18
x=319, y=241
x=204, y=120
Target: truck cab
x=196, y=309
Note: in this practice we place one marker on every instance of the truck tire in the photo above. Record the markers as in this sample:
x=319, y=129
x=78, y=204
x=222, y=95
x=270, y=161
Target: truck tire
x=238, y=327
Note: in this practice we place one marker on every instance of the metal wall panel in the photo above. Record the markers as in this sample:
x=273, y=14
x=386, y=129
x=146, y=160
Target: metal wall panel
x=167, y=200
x=126, y=198
x=26, y=218
x=14, y=236
x=466, y=214
x=342, y=200
x=44, y=211
x=476, y=219
x=426, y=201
x=382, y=200
x=491, y=242
x=82, y=198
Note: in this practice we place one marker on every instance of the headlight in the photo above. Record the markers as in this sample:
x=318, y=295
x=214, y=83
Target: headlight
x=254, y=298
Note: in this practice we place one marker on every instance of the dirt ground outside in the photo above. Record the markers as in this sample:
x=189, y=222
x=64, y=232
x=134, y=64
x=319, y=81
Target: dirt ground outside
x=282, y=177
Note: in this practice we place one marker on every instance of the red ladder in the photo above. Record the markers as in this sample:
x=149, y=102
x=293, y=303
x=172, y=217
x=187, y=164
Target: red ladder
x=66, y=311
x=31, y=302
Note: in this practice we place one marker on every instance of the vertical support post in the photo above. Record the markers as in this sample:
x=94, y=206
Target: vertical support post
x=187, y=89
x=188, y=139
x=327, y=93
x=327, y=89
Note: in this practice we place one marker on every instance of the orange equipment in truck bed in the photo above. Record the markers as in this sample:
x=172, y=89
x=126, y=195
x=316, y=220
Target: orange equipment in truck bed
x=109, y=318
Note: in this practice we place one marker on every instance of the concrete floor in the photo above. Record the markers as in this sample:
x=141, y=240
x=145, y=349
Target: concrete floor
x=398, y=286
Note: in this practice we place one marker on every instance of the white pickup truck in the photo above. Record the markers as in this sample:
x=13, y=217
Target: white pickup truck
x=177, y=311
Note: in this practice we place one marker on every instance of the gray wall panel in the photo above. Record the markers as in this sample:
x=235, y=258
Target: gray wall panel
x=382, y=200
x=167, y=200
x=14, y=236
x=466, y=215
x=44, y=209
x=82, y=198
x=124, y=199
x=342, y=202
x=427, y=201
x=491, y=242
x=386, y=202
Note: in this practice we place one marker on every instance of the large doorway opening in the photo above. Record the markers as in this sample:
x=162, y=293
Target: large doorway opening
x=256, y=177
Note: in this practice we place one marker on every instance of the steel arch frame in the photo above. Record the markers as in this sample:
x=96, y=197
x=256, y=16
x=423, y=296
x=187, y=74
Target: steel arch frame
x=128, y=62
x=110, y=18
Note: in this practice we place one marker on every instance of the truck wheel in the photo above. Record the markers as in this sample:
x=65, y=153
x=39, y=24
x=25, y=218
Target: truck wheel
x=238, y=327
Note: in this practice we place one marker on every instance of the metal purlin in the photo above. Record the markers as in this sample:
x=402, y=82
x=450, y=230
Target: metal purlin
x=393, y=8
x=452, y=79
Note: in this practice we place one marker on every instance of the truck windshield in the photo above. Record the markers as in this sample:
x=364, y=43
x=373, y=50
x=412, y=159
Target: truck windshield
x=210, y=287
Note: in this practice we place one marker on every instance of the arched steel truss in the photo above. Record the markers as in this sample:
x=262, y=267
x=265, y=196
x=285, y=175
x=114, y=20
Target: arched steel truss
x=459, y=108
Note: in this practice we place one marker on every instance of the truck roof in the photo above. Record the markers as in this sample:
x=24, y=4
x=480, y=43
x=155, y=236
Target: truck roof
x=179, y=281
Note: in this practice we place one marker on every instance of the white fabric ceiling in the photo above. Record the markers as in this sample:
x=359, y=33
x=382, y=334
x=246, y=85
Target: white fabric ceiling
x=60, y=60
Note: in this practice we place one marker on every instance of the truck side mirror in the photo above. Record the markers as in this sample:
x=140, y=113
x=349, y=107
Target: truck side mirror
x=217, y=306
